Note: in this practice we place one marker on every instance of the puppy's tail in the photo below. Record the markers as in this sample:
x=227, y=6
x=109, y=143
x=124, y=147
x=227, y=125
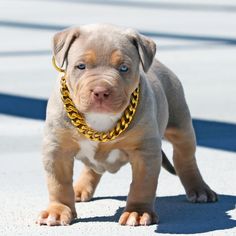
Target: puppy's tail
x=166, y=164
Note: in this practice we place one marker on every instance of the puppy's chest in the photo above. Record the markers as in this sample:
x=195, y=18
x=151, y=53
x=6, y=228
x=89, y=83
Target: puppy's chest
x=92, y=153
x=93, y=156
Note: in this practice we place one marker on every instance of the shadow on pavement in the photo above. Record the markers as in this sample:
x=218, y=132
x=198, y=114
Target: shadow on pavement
x=177, y=216
x=181, y=217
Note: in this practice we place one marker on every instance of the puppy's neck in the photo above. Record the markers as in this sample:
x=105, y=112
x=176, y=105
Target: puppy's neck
x=102, y=122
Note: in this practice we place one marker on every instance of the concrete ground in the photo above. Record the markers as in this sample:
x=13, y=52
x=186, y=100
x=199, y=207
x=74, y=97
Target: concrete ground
x=196, y=39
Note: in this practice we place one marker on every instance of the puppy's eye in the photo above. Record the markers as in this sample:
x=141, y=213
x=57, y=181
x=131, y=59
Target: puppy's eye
x=123, y=68
x=81, y=66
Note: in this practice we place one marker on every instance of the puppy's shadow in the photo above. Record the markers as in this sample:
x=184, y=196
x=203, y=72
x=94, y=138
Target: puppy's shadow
x=177, y=216
x=113, y=218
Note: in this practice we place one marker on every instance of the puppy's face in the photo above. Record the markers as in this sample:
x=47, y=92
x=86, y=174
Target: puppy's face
x=102, y=75
x=102, y=66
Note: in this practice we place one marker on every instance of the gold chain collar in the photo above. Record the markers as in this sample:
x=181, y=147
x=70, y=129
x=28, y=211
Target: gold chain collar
x=78, y=120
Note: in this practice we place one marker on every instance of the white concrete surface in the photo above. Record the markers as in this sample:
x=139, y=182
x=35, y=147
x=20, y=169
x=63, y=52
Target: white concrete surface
x=207, y=71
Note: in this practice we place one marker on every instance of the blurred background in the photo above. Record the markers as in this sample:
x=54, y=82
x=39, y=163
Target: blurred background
x=195, y=39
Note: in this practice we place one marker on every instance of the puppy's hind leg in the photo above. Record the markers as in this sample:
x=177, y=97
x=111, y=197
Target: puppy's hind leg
x=85, y=186
x=183, y=140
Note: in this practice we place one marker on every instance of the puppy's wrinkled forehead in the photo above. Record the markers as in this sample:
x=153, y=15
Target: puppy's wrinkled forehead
x=103, y=44
x=99, y=46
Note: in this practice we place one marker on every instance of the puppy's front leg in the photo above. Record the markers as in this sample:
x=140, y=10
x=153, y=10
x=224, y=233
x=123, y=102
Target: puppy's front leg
x=58, y=162
x=141, y=199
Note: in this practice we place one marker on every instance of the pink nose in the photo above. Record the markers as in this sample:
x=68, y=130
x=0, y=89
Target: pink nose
x=100, y=93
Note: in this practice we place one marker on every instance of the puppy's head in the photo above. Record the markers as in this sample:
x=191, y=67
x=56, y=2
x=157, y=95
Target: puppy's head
x=102, y=65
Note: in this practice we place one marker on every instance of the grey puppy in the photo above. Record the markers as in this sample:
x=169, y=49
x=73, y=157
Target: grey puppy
x=104, y=65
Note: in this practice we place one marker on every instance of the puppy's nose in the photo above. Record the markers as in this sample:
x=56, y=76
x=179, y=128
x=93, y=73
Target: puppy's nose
x=101, y=93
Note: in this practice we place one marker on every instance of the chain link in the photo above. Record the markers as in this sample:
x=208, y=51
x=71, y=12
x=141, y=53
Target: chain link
x=78, y=120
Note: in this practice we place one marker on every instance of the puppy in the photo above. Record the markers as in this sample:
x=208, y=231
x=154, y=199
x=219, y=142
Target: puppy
x=106, y=69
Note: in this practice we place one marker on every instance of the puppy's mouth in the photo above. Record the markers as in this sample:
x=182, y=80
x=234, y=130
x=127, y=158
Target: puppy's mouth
x=101, y=107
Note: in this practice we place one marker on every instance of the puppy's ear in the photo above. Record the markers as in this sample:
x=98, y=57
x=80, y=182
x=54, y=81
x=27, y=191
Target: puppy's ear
x=145, y=46
x=61, y=44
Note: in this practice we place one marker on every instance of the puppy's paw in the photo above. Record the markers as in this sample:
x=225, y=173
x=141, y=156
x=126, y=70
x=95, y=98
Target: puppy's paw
x=56, y=214
x=135, y=219
x=201, y=194
x=83, y=193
